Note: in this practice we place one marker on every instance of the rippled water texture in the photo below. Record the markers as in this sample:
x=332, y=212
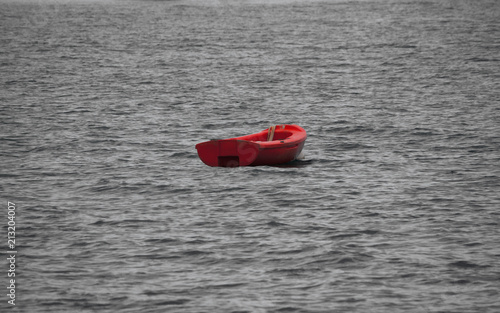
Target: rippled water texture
x=394, y=209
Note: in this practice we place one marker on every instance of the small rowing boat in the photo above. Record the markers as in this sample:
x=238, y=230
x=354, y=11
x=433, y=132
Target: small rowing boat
x=276, y=145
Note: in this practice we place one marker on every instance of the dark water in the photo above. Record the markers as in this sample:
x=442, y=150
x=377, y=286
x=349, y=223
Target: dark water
x=395, y=209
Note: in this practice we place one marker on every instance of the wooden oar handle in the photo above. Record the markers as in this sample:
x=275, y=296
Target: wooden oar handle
x=270, y=133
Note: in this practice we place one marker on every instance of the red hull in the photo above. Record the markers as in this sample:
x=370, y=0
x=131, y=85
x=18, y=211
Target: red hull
x=252, y=150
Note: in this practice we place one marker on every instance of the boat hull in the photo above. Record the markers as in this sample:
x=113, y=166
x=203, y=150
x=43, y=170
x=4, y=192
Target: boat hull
x=254, y=150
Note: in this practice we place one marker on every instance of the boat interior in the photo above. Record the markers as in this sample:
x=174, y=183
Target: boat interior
x=279, y=134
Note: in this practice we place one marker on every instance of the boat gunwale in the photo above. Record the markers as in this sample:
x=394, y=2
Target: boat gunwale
x=297, y=135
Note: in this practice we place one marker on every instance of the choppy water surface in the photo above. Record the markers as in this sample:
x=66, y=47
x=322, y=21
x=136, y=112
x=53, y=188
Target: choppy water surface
x=395, y=209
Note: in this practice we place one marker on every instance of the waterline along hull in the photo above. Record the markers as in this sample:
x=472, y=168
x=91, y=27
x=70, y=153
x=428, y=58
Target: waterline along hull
x=275, y=145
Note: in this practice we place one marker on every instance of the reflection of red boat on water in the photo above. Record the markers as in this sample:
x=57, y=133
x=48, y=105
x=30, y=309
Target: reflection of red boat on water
x=275, y=145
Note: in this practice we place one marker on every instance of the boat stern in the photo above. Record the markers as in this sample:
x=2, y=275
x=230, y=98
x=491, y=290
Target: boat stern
x=227, y=152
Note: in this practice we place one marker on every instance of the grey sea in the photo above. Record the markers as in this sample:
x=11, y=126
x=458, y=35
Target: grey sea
x=106, y=206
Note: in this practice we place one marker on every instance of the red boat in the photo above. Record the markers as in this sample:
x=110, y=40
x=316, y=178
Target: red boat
x=275, y=145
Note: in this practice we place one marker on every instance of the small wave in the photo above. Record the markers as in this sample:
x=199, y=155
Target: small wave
x=276, y=224
x=196, y=253
x=160, y=241
x=227, y=285
x=347, y=235
x=172, y=302
x=465, y=265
